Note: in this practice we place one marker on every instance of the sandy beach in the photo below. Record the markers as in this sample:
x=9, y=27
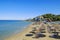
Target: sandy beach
x=21, y=35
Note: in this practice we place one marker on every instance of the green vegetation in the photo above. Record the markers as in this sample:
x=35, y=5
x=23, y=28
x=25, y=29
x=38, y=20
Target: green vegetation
x=52, y=17
x=48, y=16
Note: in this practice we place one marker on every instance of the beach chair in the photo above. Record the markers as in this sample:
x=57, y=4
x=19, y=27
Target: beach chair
x=29, y=35
x=55, y=35
x=32, y=32
x=37, y=35
x=42, y=30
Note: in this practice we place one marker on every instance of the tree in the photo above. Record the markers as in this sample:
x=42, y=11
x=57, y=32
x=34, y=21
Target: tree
x=49, y=16
x=58, y=17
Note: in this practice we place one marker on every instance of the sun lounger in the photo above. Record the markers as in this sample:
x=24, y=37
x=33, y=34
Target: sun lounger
x=43, y=31
x=55, y=35
x=29, y=35
x=32, y=32
x=39, y=35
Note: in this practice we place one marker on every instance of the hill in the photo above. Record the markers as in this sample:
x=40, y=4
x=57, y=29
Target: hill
x=48, y=17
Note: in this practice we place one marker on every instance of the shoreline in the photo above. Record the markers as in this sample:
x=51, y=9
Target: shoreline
x=20, y=33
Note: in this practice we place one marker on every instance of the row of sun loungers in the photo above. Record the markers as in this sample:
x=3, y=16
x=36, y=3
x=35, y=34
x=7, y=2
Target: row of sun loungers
x=54, y=29
x=42, y=29
x=37, y=32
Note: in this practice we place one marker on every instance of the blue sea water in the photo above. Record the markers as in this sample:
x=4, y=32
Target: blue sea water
x=11, y=27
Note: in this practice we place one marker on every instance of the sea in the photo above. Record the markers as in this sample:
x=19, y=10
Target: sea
x=11, y=27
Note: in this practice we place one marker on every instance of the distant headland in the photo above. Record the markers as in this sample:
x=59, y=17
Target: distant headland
x=46, y=17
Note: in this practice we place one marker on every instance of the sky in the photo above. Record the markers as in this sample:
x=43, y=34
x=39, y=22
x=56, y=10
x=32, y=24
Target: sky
x=26, y=9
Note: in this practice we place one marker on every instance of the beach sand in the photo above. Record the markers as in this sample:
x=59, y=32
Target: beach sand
x=21, y=35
